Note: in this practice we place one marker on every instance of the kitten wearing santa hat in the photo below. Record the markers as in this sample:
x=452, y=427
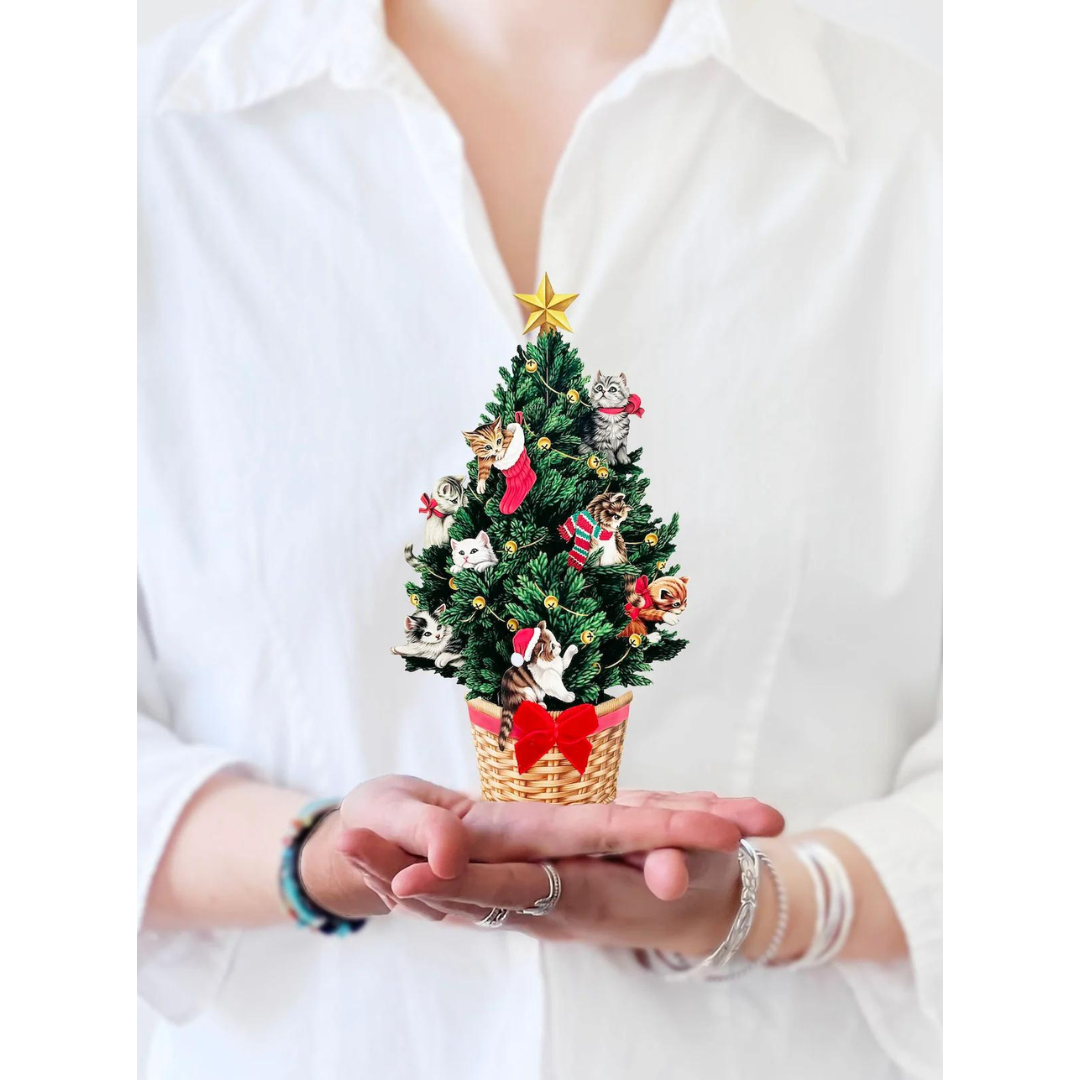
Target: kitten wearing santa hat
x=536, y=672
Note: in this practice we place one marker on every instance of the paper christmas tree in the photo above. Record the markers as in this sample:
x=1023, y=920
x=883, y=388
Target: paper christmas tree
x=545, y=578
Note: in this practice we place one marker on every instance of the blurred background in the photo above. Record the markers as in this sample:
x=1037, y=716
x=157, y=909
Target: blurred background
x=912, y=26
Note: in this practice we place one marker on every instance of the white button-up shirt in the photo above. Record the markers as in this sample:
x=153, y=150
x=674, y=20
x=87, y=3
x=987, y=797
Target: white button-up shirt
x=750, y=214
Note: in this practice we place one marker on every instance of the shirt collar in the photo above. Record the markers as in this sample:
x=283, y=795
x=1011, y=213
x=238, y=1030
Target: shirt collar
x=267, y=47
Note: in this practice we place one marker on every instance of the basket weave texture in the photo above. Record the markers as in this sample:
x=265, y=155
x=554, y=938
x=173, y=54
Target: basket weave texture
x=552, y=779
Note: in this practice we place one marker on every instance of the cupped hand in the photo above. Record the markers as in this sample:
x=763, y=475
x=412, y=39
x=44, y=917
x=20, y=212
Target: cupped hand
x=604, y=902
x=666, y=897
x=390, y=824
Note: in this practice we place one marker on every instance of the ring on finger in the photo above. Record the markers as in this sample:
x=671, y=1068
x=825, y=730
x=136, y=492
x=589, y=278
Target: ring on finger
x=546, y=905
x=494, y=918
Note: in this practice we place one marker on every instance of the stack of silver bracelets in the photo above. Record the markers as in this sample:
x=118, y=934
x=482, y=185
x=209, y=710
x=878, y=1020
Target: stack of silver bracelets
x=832, y=925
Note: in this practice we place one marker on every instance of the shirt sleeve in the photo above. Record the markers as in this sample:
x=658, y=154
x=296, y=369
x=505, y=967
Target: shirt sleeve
x=901, y=836
x=178, y=972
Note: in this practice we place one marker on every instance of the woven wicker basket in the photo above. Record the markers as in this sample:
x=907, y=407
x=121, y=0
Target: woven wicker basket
x=552, y=779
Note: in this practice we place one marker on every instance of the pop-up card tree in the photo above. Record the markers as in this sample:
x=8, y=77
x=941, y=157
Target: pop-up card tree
x=545, y=578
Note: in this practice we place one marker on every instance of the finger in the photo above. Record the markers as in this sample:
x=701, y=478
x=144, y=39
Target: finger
x=666, y=873
x=423, y=819
x=753, y=817
x=473, y=913
x=508, y=885
x=376, y=856
x=521, y=831
x=379, y=861
x=418, y=909
x=638, y=797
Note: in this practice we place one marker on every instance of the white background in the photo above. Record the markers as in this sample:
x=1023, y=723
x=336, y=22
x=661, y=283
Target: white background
x=911, y=25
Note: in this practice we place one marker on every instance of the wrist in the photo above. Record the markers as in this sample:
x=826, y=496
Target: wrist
x=328, y=877
x=801, y=906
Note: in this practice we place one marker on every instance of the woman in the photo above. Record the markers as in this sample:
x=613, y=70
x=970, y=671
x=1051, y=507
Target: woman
x=338, y=204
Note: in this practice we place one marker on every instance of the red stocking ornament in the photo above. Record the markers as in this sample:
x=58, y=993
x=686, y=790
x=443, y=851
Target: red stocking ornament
x=517, y=468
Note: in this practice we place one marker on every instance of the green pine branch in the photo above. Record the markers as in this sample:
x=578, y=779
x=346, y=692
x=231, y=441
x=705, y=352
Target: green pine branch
x=589, y=612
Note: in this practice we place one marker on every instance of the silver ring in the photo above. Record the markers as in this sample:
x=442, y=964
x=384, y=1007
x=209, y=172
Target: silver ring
x=546, y=905
x=494, y=918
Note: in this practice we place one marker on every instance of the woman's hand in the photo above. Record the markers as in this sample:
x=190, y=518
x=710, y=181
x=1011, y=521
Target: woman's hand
x=604, y=902
x=393, y=823
x=664, y=898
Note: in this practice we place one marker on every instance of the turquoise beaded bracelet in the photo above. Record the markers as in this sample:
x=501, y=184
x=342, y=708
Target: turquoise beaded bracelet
x=299, y=906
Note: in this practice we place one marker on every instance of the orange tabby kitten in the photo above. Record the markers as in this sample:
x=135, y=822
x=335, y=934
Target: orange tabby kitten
x=662, y=602
x=489, y=443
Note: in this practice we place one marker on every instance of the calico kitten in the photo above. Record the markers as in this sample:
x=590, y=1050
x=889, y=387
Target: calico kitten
x=663, y=601
x=473, y=554
x=610, y=509
x=489, y=443
x=430, y=640
x=606, y=433
x=536, y=672
x=448, y=498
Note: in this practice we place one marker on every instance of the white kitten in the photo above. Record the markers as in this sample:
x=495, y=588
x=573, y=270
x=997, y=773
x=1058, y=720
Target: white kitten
x=429, y=639
x=549, y=672
x=473, y=554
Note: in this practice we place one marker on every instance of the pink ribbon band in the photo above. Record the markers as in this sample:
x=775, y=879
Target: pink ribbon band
x=491, y=723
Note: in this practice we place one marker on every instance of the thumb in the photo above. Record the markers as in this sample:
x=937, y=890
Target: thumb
x=420, y=818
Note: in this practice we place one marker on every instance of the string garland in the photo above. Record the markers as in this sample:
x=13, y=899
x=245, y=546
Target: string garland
x=620, y=660
x=515, y=548
x=549, y=448
x=571, y=395
x=558, y=604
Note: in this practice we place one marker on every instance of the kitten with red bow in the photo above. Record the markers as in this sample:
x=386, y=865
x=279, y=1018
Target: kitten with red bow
x=445, y=501
x=607, y=427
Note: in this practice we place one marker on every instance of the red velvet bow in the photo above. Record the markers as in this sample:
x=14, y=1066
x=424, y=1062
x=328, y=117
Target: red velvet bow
x=429, y=507
x=641, y=587
x=537, y=731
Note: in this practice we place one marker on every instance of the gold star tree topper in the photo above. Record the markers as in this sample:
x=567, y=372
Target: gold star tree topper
x=547, y=308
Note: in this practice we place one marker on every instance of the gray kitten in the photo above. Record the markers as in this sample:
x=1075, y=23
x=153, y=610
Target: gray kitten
x=448, y=498
x=606, y=433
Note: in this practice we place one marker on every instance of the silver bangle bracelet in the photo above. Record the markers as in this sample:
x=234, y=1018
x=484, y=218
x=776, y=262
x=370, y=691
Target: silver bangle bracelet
x=750, y=873
x=778, y=934
x=835, y=902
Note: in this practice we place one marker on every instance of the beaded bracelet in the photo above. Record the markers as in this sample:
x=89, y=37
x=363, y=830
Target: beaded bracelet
x=299, y=906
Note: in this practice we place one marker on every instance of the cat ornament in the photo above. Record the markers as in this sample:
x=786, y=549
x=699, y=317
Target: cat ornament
x=503, y=449
x=607, y=427
x=596, y=528
x=535, y=672
x=660, y=603
x=429, y=639
x=439, y=510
